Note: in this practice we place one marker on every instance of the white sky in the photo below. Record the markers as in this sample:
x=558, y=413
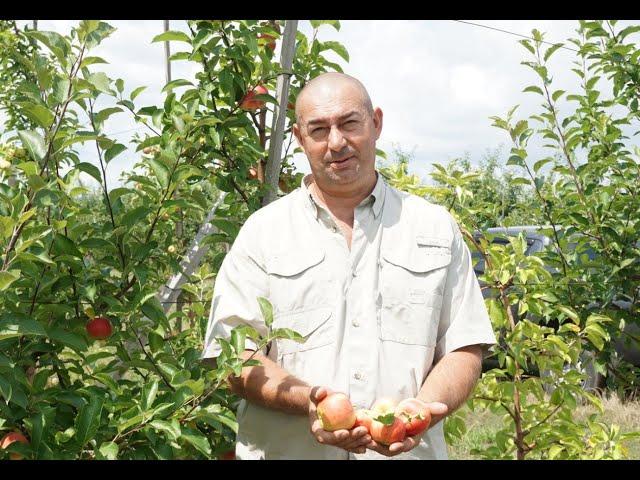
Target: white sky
x=437, y=82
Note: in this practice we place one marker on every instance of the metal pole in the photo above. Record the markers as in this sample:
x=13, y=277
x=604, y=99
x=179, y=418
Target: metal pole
x=167, y=53
x=274, y=162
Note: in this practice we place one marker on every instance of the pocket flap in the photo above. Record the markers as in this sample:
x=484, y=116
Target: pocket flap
x=306, y=322
x=291, y=263
x=426, y=254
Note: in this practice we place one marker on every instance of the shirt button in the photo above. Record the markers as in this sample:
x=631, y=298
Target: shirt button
x=334, y=229
x=357, y=376
x=355, y=323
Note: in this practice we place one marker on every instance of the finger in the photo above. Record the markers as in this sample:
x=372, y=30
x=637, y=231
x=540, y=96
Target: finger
x=329, y=438
x=353, y=443
x=318, y=393
x=438, y=408
x=358, y=450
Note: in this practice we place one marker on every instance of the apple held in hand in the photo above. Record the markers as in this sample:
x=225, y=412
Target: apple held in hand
x=415, y=414
x=11, y=437
x=336, y=412
x=99, y=328
x=387, y=429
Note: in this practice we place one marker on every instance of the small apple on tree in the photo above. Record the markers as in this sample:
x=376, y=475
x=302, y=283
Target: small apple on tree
x=99, y=328
x=248, y=101
x=10, y=438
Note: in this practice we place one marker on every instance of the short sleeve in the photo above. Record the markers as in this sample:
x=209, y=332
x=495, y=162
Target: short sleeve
x=240, y=281
x=464, y=319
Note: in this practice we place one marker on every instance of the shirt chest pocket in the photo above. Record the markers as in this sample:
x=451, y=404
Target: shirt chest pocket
x=298, y=280
x=315, y=325
x=412, y=280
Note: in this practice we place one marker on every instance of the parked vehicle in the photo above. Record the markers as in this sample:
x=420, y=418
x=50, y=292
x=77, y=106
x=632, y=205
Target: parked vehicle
x=537, y=242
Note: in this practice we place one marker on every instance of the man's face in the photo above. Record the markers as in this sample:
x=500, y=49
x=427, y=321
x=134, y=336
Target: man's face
x=338, y=137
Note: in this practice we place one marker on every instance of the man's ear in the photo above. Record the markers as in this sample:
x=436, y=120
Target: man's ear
x=377, y=121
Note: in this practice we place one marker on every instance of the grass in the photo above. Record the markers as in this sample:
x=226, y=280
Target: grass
x=482, y=426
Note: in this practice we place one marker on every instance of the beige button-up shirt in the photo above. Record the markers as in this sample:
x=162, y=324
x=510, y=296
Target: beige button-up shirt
x=376, y=317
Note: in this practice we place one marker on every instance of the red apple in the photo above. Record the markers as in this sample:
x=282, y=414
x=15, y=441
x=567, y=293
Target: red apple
x=363, y=418
x=269, y=41
x=248, y=102
x=99, y=328
x=11, y=437
x=415, y=414
x=383, y=406
x=336, y=412
x=228, y=455
x=387, y=434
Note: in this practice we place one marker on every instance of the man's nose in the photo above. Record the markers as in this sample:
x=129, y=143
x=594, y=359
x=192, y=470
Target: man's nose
x=336, y=140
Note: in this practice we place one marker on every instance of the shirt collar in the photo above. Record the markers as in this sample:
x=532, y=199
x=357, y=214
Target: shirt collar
x=376, y=196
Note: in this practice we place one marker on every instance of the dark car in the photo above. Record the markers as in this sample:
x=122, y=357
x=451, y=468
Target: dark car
x=537, y=242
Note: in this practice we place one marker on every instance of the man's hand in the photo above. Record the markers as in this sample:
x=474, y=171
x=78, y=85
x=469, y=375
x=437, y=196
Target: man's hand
x=438, y=411
x=353, y=440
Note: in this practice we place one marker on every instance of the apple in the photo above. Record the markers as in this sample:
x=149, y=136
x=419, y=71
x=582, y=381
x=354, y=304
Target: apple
x=336, y=412
x=99, y=328
x=147, y=150
x=268, y=40
x=248, y=103
x=363, y=419
x=4, y=164
x=415, y=414
x=228, y=455
x=166, y=216
x=387, y=434
x=171, y=249
x=11, y=437
x=383, y=406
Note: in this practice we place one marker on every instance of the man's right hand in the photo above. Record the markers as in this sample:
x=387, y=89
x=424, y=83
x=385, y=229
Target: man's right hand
x=354, y=440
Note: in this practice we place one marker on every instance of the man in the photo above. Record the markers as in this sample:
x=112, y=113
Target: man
x=379, y=282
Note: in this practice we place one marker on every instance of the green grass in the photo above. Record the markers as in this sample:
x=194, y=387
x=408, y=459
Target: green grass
x=482, y=426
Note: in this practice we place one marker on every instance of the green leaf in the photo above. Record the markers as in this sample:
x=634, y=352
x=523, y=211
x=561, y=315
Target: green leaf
x=55, y=42
x=176, y=83
x=37, y=113
x=64, y=245
x=114, y=151
x=100, y=81
x=533, y=89
x=136, y=92
x=7, y=278
x=88, y=420
x=336, y=47
x=197, y=439
x=44, y=197
x=172, y=36
x=267, y=310
x=33, y=143
x=552, y=49
x=149, y=393
x=160, y=170
x=61, y=89
x=91, y=170
x=72, y=340
x=132, y=217
x=172, y=429
x=14, y=326
x=92, y=60
x=334, y=23
x=109, y=450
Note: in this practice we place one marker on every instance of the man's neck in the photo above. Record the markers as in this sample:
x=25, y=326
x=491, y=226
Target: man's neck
x=341, y=204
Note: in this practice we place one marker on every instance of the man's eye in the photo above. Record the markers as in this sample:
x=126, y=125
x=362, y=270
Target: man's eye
x=318, y=130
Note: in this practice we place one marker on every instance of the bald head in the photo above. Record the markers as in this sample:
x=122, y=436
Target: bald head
x=331, y=82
